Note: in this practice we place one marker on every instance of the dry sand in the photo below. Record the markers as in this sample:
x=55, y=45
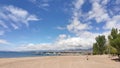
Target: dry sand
x=60, y=62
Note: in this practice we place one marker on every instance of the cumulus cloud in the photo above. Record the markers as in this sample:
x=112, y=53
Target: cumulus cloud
x=77, y=26
x=97, y=11
x=100, y=13
x=114, y=22
x=62, y=42
x=75, y=23
x=74, y=42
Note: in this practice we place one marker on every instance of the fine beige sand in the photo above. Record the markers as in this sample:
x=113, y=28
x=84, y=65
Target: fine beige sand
x=60, y=62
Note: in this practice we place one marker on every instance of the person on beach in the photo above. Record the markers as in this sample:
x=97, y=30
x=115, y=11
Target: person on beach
x=87, y=57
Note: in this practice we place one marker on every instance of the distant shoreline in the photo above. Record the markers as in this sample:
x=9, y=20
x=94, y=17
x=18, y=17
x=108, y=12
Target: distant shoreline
x=4, y=54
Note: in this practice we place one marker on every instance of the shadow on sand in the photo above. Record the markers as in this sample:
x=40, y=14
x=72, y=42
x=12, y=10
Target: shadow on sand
x=116, y=59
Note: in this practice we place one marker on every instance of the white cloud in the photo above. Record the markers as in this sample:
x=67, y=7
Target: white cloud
x=74, y=42
x=15, y=11
x=42, y=4
x=76, y=9
x=114, y=22
x=104, y=2
x=32, y=18
x=14, y=26
x=62, y=36
x=78, y=4
x=3, y=24
x=100, y=14
x=19, y=15
x=77, y=26
x=62, y=42
x=2, y=41
x=31, y=46
x=96, y=13
x=11, y=16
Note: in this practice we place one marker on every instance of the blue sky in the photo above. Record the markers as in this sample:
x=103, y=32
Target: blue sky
x=55, y=24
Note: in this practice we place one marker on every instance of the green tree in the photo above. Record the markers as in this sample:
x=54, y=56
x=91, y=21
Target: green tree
x=95, y=49
x=114, y=39
x=99, y=46
x=110, y=50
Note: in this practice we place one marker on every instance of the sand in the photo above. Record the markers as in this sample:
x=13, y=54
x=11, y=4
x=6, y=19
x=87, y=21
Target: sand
x=60, y=62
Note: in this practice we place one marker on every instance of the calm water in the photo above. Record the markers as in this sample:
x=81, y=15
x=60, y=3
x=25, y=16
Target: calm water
x=20, y=54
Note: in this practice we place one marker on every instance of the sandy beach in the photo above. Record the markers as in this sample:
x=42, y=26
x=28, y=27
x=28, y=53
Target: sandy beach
x=60, y=62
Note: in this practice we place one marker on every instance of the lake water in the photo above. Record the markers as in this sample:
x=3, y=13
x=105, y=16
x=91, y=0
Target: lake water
x=20, y=54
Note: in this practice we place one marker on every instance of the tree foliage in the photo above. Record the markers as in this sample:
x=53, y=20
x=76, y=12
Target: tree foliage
x=113, y=47
x=114, y=39
x=110, y=50
x=95, y=49
x=99, y=46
